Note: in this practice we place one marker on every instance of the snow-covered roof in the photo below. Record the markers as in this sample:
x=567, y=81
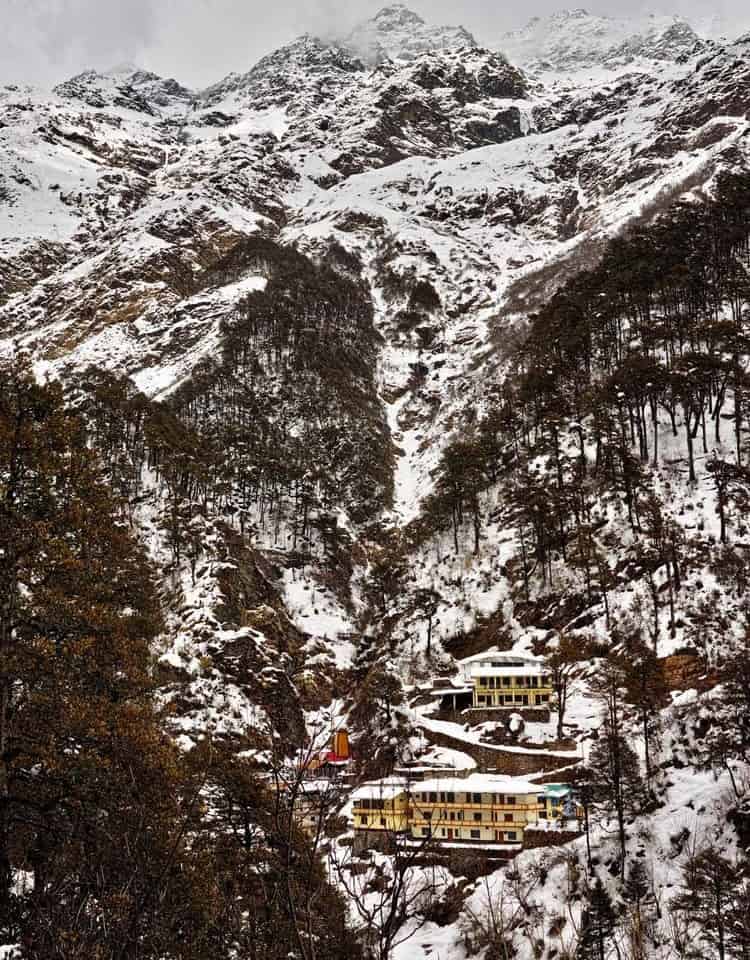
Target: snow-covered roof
x=492, y=670
x=510, y=659
x=478, y=783
x=386, y=789
x=557, y=789
x=318, y=786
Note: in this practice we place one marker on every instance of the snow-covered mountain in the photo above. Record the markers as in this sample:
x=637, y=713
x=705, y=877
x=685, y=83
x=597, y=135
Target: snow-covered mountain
x=397, y=33
x=328, y=262
x=572, y=40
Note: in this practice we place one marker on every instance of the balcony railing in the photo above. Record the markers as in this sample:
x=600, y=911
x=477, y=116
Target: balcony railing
x=491, y=806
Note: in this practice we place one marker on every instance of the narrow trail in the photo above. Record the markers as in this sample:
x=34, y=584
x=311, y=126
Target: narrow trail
x=492, y=758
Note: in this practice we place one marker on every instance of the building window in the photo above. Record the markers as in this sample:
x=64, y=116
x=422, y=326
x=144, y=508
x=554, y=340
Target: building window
x=506, y=681
x=433, y=798
x=425, y=831
x=382, y=821
x=477, y=818
x=508, y=818
x=510, y=835
x=364, y=821
x=443, y=831
x=476, y=798
x=510, y=801
x=460, y=815
x=451, y=797
x=475, y=834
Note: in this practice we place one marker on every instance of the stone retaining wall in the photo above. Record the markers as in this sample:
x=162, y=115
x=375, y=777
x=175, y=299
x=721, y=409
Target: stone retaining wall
x=491, y=714
x=381, y=840
x=534, y=839
x=499, y=760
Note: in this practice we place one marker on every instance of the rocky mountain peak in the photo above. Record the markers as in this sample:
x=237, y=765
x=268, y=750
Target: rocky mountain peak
x=578, y=13
x=397, y=15
x=283, y=76
x=127, y=86
x=573, y=39
x=398, y=33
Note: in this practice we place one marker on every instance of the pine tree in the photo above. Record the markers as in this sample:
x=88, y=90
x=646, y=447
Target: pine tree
x=614, y=763
x=645, y=687
x=561, y=663
x=88, y=781
x=598, y=925
x=713, y=897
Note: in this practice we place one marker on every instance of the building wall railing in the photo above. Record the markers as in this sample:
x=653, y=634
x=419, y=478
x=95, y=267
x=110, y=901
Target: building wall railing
x=514, y=683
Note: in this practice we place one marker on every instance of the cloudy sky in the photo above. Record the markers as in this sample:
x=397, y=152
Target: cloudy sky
x=200, y=41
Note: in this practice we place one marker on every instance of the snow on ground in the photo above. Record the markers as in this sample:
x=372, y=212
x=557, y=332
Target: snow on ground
x=316, y=611
x=473, y=735
x=448, y=758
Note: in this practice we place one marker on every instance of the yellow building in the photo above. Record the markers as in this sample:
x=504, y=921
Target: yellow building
x=382, y=806
x=509, y=681
x=483, y=808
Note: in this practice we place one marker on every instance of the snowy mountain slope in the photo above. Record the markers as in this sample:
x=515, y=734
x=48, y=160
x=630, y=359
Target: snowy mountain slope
x=482, y=225
x=130, y=205
x=130, y=88
x=195, y=243
x=397, y=33
x=573, y=40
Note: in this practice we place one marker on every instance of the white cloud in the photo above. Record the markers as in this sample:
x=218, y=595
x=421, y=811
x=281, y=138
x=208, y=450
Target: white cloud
x=200, y=41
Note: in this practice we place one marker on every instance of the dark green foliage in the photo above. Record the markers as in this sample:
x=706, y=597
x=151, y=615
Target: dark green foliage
x=598, y=925
x=292, y=404
x=112, y=843
x=278, y=434
x=714, y=906
x=659, y=330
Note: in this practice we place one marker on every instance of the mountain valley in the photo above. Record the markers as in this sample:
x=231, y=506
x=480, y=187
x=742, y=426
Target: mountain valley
x=397, y=350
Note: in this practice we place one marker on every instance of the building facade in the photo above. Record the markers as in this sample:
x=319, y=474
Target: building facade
x=481, y=809
x=488, y=809
x=382, y=806
x=508, y=681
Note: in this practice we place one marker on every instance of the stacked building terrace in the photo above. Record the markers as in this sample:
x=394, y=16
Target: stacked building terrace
x=480, y=809
x=510, y=681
